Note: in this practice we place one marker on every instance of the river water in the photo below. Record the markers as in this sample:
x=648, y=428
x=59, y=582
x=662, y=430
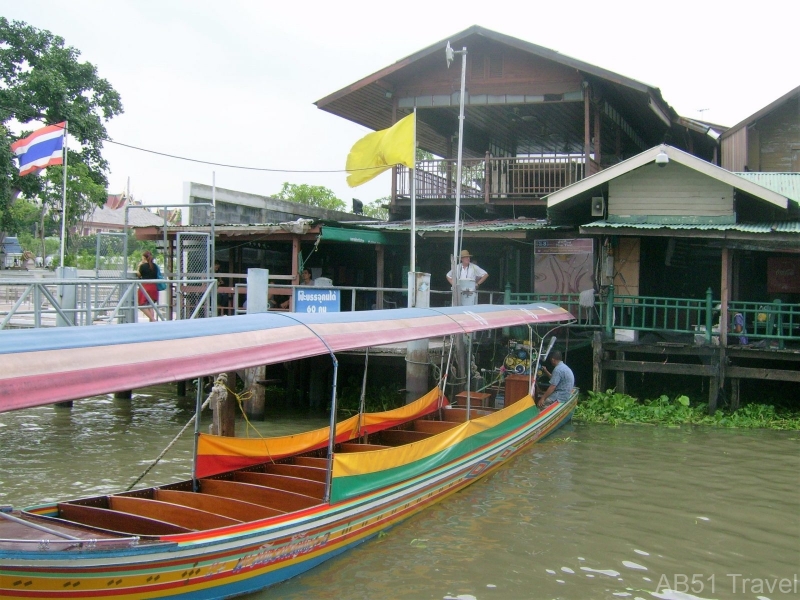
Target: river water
x=591, y=512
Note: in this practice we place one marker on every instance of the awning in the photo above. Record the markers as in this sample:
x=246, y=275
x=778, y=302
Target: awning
x=361, y=236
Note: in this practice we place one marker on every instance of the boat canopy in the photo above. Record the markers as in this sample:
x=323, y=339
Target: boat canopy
x=45, y=366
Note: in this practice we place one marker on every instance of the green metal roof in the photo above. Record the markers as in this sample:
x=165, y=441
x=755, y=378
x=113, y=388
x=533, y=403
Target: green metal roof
x=447, y=226
x=785, y=184
x=763, y=228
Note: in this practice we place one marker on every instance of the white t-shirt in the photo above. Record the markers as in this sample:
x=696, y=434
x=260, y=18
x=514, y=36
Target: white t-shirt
x=471, y=272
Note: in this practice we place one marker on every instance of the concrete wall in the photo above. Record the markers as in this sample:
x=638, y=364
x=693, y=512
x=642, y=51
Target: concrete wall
x=241, y=208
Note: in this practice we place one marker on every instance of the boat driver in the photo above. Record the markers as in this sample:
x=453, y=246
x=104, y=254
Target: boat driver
x=562, y=380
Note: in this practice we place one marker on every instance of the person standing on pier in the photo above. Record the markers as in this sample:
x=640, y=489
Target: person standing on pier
x=562, y=380
x=469, y=277
x=148, y=291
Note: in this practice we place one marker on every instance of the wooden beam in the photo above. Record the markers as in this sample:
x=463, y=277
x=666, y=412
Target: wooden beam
x=587, y=134
x=598, y=374
x=379, y=260
x=724, y=297
x=636, y=366
x=765, y=374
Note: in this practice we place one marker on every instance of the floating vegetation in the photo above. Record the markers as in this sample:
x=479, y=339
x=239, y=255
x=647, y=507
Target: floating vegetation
x=615, y=408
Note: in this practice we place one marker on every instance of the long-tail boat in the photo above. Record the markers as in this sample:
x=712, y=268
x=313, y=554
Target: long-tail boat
x=256, y=511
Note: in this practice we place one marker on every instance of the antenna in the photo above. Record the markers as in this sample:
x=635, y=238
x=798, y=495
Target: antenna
x=702, y=110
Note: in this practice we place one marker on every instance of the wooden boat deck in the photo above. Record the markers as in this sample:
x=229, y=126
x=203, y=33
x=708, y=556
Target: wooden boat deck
x=247, y=495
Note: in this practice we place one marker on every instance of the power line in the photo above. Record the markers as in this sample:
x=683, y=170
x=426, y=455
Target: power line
x=216, y=164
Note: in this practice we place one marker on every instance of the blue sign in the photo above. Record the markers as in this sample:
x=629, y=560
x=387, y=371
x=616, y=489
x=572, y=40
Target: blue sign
x=316, y=300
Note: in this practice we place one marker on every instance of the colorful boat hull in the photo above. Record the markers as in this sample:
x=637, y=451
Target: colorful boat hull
x=244, y=558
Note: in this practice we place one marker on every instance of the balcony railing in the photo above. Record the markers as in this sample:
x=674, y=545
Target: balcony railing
x=766, y=324
x=492, y=179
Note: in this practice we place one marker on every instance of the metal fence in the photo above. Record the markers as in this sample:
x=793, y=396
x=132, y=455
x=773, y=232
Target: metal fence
x=34, y=303
x=764, y=323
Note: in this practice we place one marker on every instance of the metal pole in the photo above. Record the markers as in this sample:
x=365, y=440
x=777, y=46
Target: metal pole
x=64, y=196
x=213, y=258
x=413, y=262
x=197, y=409
x=332, y=436
x=458, y=172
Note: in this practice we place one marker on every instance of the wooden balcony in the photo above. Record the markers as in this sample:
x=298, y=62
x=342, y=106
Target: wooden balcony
x=491, y=180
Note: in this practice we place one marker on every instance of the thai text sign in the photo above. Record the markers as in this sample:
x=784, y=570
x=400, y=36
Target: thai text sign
x=317, y=300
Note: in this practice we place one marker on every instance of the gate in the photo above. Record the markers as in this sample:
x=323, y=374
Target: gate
x=197, y=296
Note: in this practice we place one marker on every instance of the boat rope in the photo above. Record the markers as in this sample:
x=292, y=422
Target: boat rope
x=219, y=388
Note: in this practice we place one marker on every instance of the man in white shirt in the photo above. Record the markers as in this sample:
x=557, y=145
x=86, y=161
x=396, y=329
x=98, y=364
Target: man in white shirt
x=468, y=272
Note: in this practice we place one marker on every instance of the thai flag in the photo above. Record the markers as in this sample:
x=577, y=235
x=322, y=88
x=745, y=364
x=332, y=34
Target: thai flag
x=42, y=148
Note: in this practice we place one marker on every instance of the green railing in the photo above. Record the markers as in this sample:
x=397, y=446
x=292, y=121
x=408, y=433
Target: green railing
x=772, y=323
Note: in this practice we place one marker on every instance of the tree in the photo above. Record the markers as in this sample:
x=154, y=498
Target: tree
x=311, y=195
x=377, y=208
x=42, y=82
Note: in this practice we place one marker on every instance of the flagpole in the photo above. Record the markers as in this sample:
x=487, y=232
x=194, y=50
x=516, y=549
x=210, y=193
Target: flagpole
x=413, y=268
x=64, y=198
x=463, y=53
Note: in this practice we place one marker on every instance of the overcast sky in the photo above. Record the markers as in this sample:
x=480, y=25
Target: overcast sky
x=234, y=82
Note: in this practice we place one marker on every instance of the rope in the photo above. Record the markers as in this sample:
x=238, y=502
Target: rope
x=219, y=387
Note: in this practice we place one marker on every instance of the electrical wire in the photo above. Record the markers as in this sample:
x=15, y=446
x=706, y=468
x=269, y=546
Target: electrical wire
x=225, y=165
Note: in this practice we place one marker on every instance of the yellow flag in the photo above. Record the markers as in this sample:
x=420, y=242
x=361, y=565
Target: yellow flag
x=381, y=150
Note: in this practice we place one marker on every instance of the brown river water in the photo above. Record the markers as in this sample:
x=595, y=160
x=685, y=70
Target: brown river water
x=591, y=512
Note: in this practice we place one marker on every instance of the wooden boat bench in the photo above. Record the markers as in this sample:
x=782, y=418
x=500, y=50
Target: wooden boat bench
x=399, y=437
x=113, y=520
x=356, y=447
x=433, y=427
x=459, y=415
x=302, y=471
x=299, y=485
x=227, y=507
x=280, y=500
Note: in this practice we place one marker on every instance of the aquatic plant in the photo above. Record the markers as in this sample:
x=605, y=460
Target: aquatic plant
x=615, y=408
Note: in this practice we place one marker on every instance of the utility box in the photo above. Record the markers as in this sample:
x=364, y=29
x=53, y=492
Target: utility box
x=626, y=335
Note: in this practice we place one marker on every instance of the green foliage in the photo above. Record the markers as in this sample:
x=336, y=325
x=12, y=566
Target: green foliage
x=311, y=195
x=377, y=208
x=377, y=399
x=615, y=408
x=42, y=81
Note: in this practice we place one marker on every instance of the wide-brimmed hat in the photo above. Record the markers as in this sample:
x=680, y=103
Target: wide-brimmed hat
x=465, y=253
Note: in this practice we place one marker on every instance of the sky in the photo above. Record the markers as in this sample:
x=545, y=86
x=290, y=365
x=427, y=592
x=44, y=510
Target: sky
x=235, y=82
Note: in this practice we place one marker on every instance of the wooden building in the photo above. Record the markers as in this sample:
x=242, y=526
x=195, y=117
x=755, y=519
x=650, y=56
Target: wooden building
x=677, y=238
x=767, y=141
x=536, y=121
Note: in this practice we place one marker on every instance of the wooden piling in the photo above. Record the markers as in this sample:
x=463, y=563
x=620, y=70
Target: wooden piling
x=224, y=413
x=598, y=374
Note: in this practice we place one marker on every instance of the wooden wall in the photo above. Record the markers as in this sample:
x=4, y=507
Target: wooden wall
x=670, y=191
x=779, y=136
x=627, y=261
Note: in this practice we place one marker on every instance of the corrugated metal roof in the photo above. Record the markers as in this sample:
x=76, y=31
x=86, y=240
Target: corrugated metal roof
x=447, y=226
x=785, y=184
x=763, y=228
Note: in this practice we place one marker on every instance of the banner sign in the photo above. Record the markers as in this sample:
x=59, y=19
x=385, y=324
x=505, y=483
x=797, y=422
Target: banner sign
x=316, y=300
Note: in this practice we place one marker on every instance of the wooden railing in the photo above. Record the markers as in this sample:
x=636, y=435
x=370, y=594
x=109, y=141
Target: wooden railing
x=492, y=179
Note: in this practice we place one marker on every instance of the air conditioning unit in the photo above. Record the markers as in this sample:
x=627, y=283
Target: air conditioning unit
x=598, y=206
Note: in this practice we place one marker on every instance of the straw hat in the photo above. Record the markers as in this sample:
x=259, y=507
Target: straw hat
x=465, y=253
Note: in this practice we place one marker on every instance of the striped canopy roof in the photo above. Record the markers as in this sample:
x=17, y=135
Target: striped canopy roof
x=44, y=366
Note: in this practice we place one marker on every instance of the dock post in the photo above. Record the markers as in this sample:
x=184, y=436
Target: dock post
x=598, y=375
x=713, y=382
x=123, y=395
x=224, y=413
x=181, y=389
x=256, y=404
x=735, y=394
x=620, y=375
x=417, y=358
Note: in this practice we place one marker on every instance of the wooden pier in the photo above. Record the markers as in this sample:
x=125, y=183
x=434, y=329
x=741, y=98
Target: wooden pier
x=724, y=366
